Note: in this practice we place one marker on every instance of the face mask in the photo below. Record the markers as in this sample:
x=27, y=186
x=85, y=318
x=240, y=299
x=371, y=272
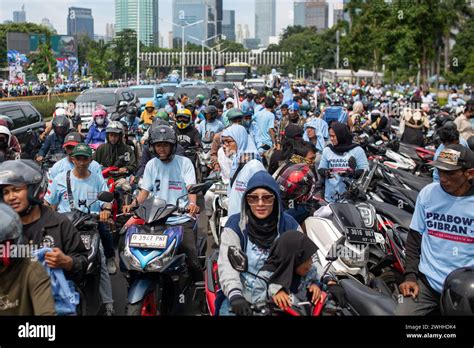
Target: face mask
x=246, y=123
x=100, y=121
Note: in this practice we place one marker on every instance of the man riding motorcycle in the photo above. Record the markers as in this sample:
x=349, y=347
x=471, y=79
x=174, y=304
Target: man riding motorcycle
x=187, y=135
x=54, y=142
x=7, y=152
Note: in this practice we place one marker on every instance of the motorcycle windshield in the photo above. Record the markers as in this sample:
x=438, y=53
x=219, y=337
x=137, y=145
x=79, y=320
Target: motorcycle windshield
x=155, y=209
x=346, y=215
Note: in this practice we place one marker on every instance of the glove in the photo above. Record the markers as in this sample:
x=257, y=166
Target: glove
x=338, y=293
x=240, y=306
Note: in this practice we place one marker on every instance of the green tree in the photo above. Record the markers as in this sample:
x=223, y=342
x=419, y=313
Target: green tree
x=16, y=28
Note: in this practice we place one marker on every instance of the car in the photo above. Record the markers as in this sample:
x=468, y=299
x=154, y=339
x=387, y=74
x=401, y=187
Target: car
x=193, y=91
x=146, y=93
x=257, y=84
x=115, y=101
x=187, y=83
x=26, y=122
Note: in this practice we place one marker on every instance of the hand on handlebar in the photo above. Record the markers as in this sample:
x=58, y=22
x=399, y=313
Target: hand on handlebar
x=409, y=288
x=193, y=209
x=315, y=292
x=282, y=299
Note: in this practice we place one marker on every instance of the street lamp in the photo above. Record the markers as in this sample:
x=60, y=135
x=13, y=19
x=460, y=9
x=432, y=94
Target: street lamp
x=182, y=40
x=202, y=50
x=138, y=43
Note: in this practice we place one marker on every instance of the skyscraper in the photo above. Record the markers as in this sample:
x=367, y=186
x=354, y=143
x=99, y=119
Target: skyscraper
x=19, y=16
x=126, y=15
x=109, y=30
x=80, y=22
x=228, y=25
x=311, y=13
x=190, y=11
x=47, y=23
x=265, y=20
x=239, y=34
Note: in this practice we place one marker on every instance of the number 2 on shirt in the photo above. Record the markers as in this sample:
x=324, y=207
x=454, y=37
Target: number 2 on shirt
x=157, y=183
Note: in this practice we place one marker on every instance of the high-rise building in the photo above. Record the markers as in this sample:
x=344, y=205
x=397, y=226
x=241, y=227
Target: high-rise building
x=126, y=17
x=186, y=12
x=311, y=13
x=336, y=12
x=80, y=22
x=239, y=34
x=47, y=23
x=246, y=32
x=19, y=16
x=109, y=30
x=265, y=20
x=228, y=25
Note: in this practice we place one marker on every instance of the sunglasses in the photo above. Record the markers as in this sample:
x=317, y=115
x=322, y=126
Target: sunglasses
x=228, y=142
x=255, y=199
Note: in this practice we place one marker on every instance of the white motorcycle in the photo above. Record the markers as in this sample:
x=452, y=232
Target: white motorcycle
x=219, y=210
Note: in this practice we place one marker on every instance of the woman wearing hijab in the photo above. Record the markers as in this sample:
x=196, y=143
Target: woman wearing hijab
x=254, y=230
x=412, y=126
x=358, y=116
x=293, y=267
x=335, y=160
x=240, y=148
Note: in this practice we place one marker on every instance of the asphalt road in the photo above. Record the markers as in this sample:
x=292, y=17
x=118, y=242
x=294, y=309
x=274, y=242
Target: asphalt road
x=119, y=284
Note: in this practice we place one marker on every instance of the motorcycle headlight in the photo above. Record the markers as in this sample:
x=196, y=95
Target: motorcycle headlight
x=162, y=259
x=367, y=213
x=355, y=255
x=133, y=260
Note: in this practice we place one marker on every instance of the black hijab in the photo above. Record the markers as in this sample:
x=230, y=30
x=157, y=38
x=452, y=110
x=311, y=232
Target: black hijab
x=291, y=250
x=262, y=232
x=344, y=138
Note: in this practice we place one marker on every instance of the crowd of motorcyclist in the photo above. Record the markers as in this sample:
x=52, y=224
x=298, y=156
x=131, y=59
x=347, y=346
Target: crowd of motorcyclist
x=276, y=150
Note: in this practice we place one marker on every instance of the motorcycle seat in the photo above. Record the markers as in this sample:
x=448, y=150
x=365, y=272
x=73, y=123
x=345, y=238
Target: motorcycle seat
x=367, y=301
x=415, y=182
x=399, y=216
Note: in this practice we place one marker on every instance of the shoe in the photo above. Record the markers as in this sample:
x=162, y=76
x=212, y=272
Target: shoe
x=109, y=310
x=111, y=266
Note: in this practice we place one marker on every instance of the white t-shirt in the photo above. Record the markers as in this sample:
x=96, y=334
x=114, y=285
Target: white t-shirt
x=169, y=181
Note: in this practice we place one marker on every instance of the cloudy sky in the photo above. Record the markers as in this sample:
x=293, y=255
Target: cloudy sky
x=103, y=12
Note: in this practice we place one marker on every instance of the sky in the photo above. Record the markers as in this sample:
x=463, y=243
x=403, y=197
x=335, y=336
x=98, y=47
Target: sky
x=103, y=12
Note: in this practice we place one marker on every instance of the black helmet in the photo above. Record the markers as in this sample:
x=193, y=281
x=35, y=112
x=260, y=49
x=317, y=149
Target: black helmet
x=7, y=121
x=457, y=297
x=163, y=134
x=10, y=229
x=24, y=172
x=296, y=181
x=61, y=125
x=211, y=110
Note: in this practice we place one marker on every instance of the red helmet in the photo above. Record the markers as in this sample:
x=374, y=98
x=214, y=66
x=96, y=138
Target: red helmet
x=99, y=113
x=296, y=181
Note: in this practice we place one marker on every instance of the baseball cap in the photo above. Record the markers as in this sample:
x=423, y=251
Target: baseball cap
x=82, y=150
x=72, y=139
x=454, y=157
x=294, y=107
x=292, y=131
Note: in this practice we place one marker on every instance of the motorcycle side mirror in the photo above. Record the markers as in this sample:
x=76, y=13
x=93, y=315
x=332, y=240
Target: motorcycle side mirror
x=238, y=260
x=352, y=163
x=378, y=143
x=105, y=196
x=123, y=103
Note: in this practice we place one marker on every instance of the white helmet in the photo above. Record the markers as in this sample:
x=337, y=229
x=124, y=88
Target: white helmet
x=60, y=106
x=459, y=110
x=6, y=131
x=60, y=112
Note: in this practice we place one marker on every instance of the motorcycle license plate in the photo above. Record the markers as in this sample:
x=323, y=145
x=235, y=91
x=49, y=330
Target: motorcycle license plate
x=86, y=240
x=360, y=235
x=148, y=241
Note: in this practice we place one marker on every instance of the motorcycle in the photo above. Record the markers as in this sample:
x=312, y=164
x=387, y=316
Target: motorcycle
x=219, y=216
x=87, y=225
x=158, y=276
x=203, y=163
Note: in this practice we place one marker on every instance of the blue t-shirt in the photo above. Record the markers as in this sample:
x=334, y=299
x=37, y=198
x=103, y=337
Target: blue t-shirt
x=264, y=120
x=337, y=163
x=209, y=129
x=236, y=192
x=169, y=181
x=446, y=224
x=65, y=164
x=436, y=155
x=84, y=191
x=247, y=106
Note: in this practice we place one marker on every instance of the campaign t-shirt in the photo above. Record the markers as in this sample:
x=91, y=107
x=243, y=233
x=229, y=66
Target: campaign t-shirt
x=337, y=163
x=264, y=120
x=84, y=191
x=65, y=164
x=436, y=155
x=446, y=224
x=209, y=129
x=236, y=192
x=247, y=106
x=169, y=181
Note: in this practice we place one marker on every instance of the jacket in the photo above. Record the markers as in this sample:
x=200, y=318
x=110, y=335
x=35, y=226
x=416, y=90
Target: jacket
x=52, y=145
x=108, y=154
x=54, y=230
x=235, y=234
x=25, y=289
x=96, y=135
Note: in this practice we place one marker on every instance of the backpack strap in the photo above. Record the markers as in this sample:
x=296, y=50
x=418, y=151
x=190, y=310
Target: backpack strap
x=239, y=168
x=69, y=190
